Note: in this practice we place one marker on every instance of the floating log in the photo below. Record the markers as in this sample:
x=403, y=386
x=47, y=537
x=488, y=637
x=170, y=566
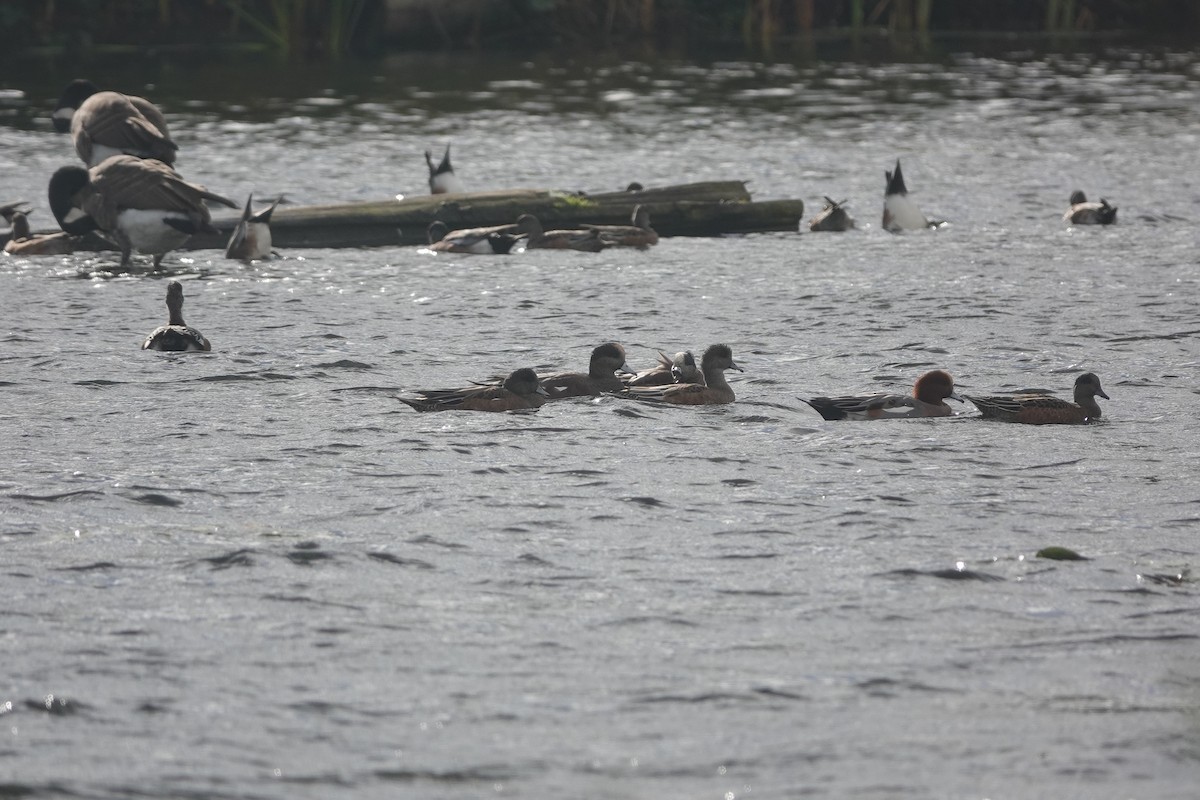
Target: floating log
x=696, y=209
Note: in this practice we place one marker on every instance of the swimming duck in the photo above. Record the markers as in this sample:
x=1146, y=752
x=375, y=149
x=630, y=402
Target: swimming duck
x=680, y=368
x=1082, y=212
x=104, y=124
x=520, y=390
x=638, y=234
x=494, y=240
x=899, y=212
x=531, y=227
x=714, y=391
x=251, y=239
x=442, y=179
x=833, y=217
x=927, y=400
x=176, y=335
x=24, y=242
x=1041, y=409
x=141, y=204
x=607, y=360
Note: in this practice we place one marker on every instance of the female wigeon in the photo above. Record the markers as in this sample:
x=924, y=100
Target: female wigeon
x=176, y=335
x=251, y=239
x=1082, y=212
x=607, y=360
x=900, y=213
x=494, y=240
x=520, y=391
x=442, y=179
x=638, y=234
x=535, y=236
x=833, y=217
x=25, y=242
x=680, y=368
x=715, y=390
x=104, y=124
x=927, y=400
x=141, y=204
x=1041, y=409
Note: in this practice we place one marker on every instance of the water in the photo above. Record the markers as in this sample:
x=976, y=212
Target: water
x=253, y=574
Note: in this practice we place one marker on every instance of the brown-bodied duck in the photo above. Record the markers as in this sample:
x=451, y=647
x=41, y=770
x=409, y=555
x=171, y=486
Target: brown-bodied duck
x=520, y=391
x=1043, y=409
x=833, y=217
x=714, y=391
x=607, y=360
x=679, y=368
x=536, y=237
x=494, y=240
x=637, y=234
x=176, y=335
x=24, y=242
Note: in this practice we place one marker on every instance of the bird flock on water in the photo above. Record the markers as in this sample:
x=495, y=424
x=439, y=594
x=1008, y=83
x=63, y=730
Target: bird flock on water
x=130, y=194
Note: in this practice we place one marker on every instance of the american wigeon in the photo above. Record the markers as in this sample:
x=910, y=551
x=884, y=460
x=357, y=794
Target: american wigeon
x=251, y=239
x=176, y=335
x=927, y=400
x=638, y=234
x=536, y=237
x=833, y=217
x=104, y=124
x=1082, y=212
x=141, y=204
x=680, y=368
x=442, y=179
x=24, y=242
x=900, y=213
x=520, y=391
x=494, y=240
x=714, y=391
x=607, y=360
x=1042, y=409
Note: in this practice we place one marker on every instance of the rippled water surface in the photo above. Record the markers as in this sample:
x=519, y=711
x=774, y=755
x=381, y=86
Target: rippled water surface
x=254, y=574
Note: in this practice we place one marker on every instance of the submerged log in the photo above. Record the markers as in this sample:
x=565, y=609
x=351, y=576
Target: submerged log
x=697, y=209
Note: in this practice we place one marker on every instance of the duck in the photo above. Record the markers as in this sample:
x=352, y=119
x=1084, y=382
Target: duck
x=1082, y=212
x=176, y=335
x=442, y=179
x=251, y=239
x=899, y=212
x=927, y=400
x=638, y=234
x=520, y=391
x=494, y=240
x=679, y=368
x=1043, y=409
x=104, y=124
x=714, y=391
x=140, y=204
x=607, y=360
x=7, y=211
x=24, y=242
x=535, y=237
x=833, y=217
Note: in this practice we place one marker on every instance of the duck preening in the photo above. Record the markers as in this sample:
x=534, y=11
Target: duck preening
x=714, y=391
x=1082, y=212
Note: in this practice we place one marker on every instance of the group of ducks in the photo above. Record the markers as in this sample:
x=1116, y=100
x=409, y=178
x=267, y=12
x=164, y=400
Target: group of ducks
x=901, y=213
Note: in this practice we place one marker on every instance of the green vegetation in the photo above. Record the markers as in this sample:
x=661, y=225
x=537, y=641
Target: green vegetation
x=332, y=29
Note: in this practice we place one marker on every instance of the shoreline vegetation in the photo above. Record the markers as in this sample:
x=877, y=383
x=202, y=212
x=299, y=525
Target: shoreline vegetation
x=330, y=30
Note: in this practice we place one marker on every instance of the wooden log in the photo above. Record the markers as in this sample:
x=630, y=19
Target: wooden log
x=697, y=209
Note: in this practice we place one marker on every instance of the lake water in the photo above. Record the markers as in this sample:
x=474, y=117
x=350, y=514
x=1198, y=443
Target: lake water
x=254, y=574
